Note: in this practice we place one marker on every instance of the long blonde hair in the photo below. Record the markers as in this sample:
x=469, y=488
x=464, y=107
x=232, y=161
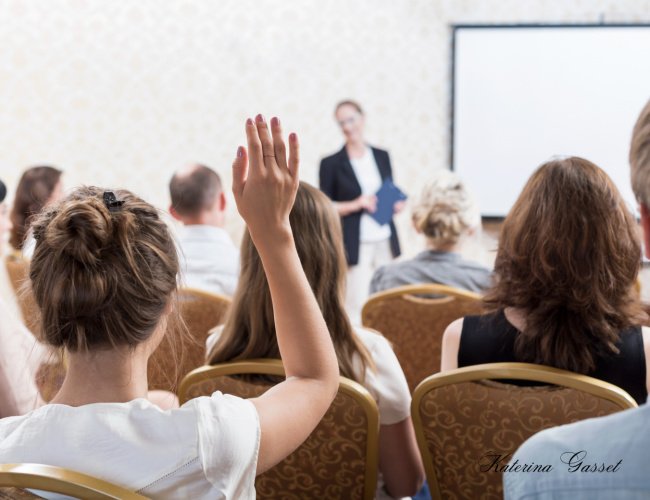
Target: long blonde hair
x=249, y=330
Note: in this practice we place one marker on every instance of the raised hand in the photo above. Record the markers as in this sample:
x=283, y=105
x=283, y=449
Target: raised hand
x=265, y=182
x=265, y=185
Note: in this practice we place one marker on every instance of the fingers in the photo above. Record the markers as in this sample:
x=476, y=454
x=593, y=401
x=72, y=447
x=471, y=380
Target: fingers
x=278, y=144
x=239, y=171
x=256, y=163
x=268, y=152
x=294, y=155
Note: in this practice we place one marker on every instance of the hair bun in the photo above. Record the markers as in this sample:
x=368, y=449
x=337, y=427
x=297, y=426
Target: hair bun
x=80, y=229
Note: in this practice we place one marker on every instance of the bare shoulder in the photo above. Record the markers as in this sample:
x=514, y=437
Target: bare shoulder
x=454, y=329
x=645, y=334
x=451, y=345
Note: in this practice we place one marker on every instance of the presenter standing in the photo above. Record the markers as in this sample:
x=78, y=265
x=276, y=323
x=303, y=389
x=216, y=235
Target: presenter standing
x=351, y=177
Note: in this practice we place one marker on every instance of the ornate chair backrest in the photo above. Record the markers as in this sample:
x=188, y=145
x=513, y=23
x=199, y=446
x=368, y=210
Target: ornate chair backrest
x=413, y=318
x=468, y=424
x=177, y=354
x=340, y=457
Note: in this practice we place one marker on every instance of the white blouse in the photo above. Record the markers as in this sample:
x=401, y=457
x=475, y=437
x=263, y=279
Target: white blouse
x=369, y=178
x=206, y=449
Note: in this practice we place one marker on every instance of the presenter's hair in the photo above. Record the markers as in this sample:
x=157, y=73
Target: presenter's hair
x=640, y=157
x=194, y=191
x=568, y=256
x=349, y=102
x=34, y=190
x=444, y=210
x=103, y=275
x=249, y=330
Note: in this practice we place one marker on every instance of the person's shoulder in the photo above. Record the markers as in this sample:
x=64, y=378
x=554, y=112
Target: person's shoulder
x=475, y=266
x=213, y=336
x=565, y=449
x=611, y=433
x=9, y=425
x=332, y=159
x=387, y=276
x=372, y=339
x=377, y=282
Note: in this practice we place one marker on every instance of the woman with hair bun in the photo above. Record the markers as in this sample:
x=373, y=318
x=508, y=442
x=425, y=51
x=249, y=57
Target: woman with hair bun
x=565, y=289
x=446, y=215
x=38, y=187
x=104, y=277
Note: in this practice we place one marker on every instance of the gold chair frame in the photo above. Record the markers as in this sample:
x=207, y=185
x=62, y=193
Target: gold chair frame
x=274, y=367
x=513, y=371
x=410, y=292
x=63, y=481
x=413, y=293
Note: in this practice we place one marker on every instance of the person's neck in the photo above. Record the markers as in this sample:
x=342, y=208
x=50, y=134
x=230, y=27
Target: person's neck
x=443, y=248
x=516, y=317
x=104, y=376
x=212, y=220
x=356, y=148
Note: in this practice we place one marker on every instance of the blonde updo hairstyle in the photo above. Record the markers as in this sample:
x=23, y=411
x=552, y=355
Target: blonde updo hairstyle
x=444, y=210
x=103, y=275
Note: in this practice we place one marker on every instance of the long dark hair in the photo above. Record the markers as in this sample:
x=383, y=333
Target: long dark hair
x=568, y=257
x=33, y=192
x=249, y=331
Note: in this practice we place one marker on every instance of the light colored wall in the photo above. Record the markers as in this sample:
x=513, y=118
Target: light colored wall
x=121, y=93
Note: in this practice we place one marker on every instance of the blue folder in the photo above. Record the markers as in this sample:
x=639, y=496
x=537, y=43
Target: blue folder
x=387, y=196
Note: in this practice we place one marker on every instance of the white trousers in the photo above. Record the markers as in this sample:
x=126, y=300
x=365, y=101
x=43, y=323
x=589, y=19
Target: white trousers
x=371, y=256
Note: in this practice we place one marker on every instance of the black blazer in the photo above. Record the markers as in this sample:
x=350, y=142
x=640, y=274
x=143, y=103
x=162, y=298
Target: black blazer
x=338, y=181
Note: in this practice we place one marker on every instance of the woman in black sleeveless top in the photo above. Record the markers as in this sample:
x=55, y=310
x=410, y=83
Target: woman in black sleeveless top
x=565, y=276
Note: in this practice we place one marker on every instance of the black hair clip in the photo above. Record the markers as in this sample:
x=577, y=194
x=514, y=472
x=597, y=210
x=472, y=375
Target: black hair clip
x=111, y=202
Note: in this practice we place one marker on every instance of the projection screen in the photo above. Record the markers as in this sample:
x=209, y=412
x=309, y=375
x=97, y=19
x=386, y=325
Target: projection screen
x=524, y=94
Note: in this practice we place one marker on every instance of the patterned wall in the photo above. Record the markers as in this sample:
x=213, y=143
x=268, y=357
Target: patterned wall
x=122, y=92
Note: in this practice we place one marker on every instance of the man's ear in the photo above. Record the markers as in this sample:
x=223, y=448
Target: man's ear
x=174, y=213
x=222, y=201
x=645, y=225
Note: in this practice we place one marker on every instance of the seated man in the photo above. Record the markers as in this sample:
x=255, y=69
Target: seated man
x=600, y=458
x=209, y=259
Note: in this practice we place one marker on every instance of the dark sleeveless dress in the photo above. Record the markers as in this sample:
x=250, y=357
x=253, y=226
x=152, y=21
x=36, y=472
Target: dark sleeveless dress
x=491, y=339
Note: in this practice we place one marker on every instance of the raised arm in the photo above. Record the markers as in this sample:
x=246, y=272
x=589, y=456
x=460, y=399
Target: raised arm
x=265, y=186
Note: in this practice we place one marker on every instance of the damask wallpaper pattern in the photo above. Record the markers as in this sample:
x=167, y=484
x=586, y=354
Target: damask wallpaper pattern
x=122, y=93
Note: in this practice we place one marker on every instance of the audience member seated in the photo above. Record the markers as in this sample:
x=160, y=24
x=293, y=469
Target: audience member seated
x=445, y=214
x=104, y=274
x=209, y=259
x=21, y=354
x=565, y=275
x=38, y=187
x=613, y=449
x=363, y=355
